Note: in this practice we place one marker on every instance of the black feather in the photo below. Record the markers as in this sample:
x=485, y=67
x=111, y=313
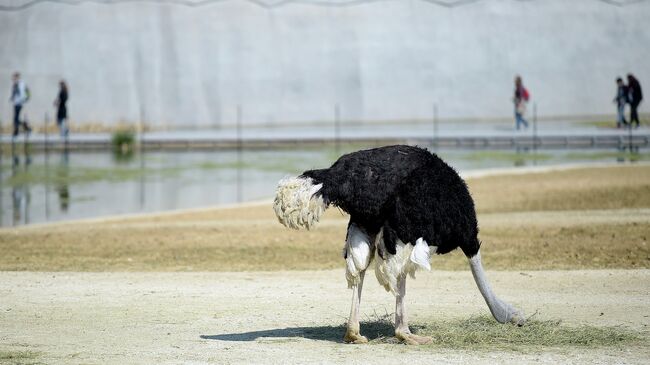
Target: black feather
x=408, y=191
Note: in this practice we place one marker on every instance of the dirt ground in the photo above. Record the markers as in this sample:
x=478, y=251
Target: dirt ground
x=232, y=286
x=285, y=317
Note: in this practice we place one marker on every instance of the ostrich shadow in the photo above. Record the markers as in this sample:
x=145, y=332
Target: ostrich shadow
x=375, y=330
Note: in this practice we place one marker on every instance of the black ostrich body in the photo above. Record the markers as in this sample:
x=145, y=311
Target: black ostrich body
x=406, y=190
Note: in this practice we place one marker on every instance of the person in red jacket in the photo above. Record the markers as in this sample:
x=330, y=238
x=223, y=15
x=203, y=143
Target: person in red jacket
x=520, y=100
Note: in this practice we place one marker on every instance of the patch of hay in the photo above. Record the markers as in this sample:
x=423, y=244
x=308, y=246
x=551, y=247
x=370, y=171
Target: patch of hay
x=484, y=332
x=18, y=357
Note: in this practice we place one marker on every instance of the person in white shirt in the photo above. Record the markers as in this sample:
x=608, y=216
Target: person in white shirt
x=19, y=96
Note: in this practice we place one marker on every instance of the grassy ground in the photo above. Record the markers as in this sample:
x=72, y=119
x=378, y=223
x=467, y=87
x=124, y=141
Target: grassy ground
x=480, y=332
x=582, y=218
x=18, y=357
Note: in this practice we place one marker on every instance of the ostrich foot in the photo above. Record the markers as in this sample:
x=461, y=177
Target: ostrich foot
x=410, y=339
x=518, y=319
x=508, y=314
x=354, y=337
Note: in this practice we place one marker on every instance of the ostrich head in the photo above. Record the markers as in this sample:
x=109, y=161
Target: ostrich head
x=296, y=204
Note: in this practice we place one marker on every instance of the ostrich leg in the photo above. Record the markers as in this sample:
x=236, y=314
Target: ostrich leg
x=402, y=331
x=358, y=253
x=353, y=333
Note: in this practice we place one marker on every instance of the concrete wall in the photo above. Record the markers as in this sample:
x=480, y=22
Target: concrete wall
x=190, y=66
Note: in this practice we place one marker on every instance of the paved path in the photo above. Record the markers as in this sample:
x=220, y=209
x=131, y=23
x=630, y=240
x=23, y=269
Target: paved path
x=446, y=133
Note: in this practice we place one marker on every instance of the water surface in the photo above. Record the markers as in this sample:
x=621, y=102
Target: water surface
x=67, y=185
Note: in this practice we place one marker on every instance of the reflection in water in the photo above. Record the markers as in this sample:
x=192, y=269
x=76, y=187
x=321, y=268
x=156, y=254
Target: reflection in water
x=240, y=154
x=1, y=187
x=628, y=153
x=522, y=153
x=62, y=187
x=240, y=168
x=142, y=174
x=20, y=193
x=40, y=191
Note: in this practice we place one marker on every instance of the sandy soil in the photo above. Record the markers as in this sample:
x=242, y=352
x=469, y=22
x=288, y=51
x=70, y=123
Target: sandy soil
x=575, y=219
x=276, y=317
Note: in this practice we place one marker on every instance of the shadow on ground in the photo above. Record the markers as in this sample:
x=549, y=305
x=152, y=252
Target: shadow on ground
x=372, y=330
x=472, y=333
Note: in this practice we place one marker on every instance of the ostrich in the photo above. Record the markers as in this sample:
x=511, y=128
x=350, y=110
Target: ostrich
x=404, y=204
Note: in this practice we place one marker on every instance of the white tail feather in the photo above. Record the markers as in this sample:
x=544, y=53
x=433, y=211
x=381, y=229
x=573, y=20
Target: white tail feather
x=295, y=204
x=421, y=254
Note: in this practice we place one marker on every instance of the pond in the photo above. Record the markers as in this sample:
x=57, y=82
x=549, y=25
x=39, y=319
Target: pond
x=66, y=185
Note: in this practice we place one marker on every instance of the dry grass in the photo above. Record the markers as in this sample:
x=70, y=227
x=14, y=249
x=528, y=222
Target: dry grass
x=483, y=332
x=578, y=189
x=19, y=357
x=585, y=218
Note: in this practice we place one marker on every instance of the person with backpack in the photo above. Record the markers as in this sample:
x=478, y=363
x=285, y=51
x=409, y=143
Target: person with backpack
x=19, y=96
x=635, y=95
x=520, y=100
x=621, y=99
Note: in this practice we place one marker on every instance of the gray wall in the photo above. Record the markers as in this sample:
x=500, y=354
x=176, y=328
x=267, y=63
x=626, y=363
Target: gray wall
x=191, y=66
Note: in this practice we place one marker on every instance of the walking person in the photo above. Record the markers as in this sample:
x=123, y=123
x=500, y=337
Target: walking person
x=621, y=99
x=19, y=96
x=520, y=100
x=61, y=109
x=635, y=96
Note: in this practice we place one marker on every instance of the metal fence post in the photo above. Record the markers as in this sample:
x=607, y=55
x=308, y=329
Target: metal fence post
x=535, y=125
x=435, y=125
x=240, y=149
x=239, y=129
x=45, y=135
x=337, y=128
x=629, y=136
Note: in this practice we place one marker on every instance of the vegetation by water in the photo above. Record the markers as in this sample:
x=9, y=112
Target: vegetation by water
x=123, y=141
x=57, y=175
x=509, y=156
x=610, y=155
x=130, y=167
